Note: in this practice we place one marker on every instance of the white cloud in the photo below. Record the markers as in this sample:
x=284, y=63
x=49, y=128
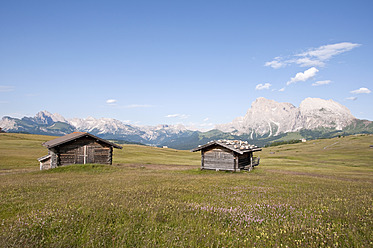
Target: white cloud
x=303, y=76
x=361, y=91
x=352, y=98
x=282, y=89
x=314, y=56
x=4, y=88
x=111, y=101
x=276, y=63
x=263, y=86
x=180, y=116
x=326, y=52
x=306, y=62
x=206, y=119
x=324, y=82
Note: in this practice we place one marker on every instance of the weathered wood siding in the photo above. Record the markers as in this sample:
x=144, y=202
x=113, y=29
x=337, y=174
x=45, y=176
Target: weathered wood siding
x=218, y=158
x=84, y=151
x=45, y=164
x=54, y=158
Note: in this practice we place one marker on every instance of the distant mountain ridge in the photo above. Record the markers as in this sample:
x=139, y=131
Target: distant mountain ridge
x=47, y=123
x=266, y=121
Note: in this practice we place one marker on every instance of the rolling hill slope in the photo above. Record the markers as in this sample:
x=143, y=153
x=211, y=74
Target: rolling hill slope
x=313, y=194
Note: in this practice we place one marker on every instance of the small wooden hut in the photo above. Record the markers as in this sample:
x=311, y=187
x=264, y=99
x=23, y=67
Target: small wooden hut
x=77, y=148
x=231, y=155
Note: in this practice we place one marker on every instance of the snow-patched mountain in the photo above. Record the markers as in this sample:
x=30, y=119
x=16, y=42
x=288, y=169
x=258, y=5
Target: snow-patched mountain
x=156, y=132
x=41, y=118
x=102, y=126
x=270, y=118
x=45, y=122
x=42, y=123
x=107, y=127
x=44, y=117
x=7, y=123
x=266, y=121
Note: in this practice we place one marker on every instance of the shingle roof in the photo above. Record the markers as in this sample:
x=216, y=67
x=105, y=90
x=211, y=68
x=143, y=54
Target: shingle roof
x=73, y=136
x=237, y=146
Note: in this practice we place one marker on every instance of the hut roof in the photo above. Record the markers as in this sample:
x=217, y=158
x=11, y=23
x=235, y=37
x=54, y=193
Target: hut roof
x=237, y=146
x=41, y=159
x=74, y=136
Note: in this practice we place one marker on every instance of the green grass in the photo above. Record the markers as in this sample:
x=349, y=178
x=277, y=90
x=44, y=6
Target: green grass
x=301, y=195
x=20, y=152
x=136, y=154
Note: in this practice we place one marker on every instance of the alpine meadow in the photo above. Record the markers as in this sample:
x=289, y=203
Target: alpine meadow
x=186, y=124
x=312, y=194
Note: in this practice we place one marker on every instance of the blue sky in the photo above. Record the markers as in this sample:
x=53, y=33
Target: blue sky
x=198, y=63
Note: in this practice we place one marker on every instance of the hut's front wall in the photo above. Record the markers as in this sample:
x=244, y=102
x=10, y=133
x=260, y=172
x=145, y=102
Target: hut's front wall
x=84, y=151
x=218, y=158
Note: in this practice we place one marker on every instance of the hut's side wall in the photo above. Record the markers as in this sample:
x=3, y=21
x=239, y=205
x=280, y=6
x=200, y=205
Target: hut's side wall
x=83, y=151
x=45, y=164
x=54, y=158
x=218, y=158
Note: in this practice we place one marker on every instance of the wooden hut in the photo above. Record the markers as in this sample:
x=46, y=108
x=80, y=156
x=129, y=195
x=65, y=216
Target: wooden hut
x=77, y=148
x=231, y=155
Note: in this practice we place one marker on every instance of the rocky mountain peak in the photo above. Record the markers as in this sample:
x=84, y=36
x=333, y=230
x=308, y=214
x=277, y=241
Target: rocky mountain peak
x=318, y=112
x=45, y=117
x=268, y=117
x=316, y=104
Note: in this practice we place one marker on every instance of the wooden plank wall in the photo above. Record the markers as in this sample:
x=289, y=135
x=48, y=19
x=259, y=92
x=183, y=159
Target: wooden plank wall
x=74, y=152
x=218, y=158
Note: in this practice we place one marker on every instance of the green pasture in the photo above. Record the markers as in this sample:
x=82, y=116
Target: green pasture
x=313, y=194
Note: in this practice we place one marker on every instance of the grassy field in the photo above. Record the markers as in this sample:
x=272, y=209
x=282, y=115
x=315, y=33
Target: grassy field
x=313, y=194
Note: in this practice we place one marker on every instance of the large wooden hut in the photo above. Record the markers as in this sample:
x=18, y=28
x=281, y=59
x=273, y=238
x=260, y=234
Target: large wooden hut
x=231, y=155
x=77, y=148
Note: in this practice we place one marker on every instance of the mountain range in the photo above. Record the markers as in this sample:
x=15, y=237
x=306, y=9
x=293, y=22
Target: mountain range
x=266, y=121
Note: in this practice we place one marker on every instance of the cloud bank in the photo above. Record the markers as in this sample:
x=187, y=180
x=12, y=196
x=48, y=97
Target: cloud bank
x=314, y=56
x=326, y=52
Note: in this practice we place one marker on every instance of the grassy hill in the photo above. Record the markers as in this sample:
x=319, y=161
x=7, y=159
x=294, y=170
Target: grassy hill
x=313, y=194
x=20, y=152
